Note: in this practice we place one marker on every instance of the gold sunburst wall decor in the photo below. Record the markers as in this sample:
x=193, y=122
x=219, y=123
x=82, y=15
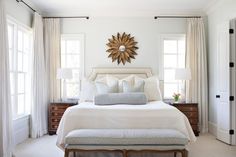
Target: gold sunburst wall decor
x=122, y=48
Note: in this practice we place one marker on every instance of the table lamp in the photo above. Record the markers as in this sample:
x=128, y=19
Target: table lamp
x=183, y=74
x=63, y=74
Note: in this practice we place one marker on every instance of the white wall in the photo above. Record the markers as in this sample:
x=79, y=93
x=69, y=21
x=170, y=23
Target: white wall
x=224, y=11
x=23, y=15
x=20, y=12
x=146, y=31
x=21, y=129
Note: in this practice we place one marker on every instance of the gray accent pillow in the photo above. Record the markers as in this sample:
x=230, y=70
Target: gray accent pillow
x=137, y=87
x=103, y=88
x=120, y=98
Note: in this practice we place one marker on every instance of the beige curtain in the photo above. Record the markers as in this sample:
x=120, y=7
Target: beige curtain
x=6, y=143
x=196, y=60
x=52, y=42
x=39, y=110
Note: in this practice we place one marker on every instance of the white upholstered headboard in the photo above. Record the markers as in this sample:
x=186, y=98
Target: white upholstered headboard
x=120, y=72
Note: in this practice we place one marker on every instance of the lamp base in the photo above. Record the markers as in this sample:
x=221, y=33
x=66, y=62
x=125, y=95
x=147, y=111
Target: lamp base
x=64, y=97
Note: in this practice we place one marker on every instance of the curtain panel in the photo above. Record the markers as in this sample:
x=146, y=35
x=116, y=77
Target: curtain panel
x=52, y=42
x=6, y=143
x=40, y=99
x=196, y=60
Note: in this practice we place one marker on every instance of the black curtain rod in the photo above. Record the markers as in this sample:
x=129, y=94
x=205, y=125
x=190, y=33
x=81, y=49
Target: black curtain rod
x=68, y=17
x=186, y=17
x=21, y=1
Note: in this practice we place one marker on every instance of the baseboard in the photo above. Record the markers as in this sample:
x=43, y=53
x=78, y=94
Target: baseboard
x=212, y=128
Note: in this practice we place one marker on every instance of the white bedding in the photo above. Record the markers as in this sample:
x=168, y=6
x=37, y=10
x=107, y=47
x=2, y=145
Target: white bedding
x=154, y=115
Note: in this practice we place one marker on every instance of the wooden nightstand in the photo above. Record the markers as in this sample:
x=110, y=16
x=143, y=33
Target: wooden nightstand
x=191, y=111
x=56, y=111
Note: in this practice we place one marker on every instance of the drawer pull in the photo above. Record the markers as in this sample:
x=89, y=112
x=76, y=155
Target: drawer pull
x=191, y=109
x=57, y=114
x=55, y=126
x=55, y=120
x=54, y=108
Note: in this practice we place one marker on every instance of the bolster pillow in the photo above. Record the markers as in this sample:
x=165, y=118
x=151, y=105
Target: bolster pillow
x=120, y=98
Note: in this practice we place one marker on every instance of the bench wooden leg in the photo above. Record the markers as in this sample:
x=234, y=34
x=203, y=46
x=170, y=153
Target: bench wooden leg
x=175, y=154
x=184, y=153
x=66, y=153
x=125, y=153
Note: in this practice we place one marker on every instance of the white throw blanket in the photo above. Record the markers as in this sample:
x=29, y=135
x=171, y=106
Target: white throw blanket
x=154, y=115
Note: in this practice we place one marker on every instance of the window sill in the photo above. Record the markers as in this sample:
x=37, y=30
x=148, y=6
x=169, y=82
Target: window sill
x=24, y=116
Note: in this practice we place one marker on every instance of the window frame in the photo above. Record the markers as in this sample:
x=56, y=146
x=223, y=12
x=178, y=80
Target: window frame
x=17, y=26
x=162, y=67
x=81, y=38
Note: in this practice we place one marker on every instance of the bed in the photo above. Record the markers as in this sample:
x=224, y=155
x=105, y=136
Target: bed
x=154, y=115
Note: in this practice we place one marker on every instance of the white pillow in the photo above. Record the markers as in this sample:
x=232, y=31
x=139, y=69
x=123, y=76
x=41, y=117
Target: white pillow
x=136, y=87
x=151, y=88
x=88, y=91
x=108, y=84
x=129, y=79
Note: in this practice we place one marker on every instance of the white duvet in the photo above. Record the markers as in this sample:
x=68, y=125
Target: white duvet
x=153, y=115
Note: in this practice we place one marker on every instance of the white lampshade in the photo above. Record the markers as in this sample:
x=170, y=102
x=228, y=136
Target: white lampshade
x=64, y=73
x=183, y=74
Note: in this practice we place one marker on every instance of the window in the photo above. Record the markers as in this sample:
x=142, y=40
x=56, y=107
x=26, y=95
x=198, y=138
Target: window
x=173, y=57
x=20, y=50
x=72, y=50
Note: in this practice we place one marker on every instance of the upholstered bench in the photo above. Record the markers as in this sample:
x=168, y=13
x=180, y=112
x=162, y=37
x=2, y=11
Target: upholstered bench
x=126, y=141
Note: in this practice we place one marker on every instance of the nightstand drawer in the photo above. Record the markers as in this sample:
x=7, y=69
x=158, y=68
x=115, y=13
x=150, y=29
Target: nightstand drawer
x=56, y=108
x=188, y=109
x=191, y=114
x=54, y=126
x=59, y=114
x=193, y=121
x=194, y=127
x=55, y=119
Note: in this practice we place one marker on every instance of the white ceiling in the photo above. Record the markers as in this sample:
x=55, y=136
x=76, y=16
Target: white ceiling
x=121, y=7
